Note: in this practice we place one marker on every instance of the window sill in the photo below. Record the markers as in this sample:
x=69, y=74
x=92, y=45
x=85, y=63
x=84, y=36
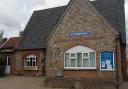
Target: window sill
x=78, y=69
x=30, y=68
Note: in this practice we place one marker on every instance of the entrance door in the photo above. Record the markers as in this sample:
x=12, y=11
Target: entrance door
x=7, y=71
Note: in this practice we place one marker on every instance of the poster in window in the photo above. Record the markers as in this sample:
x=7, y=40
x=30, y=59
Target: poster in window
x=107, y=61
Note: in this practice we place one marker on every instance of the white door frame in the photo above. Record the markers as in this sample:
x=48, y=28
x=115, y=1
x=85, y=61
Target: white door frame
x=8, y=67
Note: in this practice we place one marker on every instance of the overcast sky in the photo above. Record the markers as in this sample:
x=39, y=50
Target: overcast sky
x=14, y=14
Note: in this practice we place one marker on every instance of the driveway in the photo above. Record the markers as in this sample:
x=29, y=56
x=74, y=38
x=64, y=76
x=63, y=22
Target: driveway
x=21, y=82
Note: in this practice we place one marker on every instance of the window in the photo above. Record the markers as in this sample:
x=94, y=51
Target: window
x=80, y=57
x=30, y=61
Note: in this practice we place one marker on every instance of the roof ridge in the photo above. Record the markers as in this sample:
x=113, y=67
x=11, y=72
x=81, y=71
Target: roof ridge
x=15, y=39
x=50, y=8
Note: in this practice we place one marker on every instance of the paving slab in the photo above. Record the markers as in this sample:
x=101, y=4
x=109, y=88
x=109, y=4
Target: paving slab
x=22, y=82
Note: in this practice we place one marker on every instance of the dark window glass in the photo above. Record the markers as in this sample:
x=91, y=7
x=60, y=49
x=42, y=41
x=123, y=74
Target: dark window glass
x=31, y=61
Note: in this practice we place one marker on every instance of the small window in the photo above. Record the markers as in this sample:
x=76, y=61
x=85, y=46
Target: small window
x=30, y=61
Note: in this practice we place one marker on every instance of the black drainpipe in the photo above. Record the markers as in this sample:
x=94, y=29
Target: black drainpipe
x=117, y=75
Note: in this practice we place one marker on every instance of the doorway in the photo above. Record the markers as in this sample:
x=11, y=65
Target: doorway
x=8, y=67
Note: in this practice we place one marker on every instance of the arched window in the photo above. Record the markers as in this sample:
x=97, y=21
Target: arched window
x=80, y=57
x=30, y=61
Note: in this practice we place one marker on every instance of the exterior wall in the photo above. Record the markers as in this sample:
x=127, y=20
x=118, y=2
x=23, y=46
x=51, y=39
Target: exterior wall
x=127, y=67
x=13, y=63
x=80, y=18
x=19, y=68
x=124, y=58
x=127, y=61
x=118, y=64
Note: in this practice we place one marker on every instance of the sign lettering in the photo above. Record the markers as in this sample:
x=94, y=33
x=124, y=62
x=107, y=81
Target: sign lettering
x=72, y=34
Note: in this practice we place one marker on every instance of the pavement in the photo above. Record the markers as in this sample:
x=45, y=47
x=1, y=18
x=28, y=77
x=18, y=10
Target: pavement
x=124, y=85
x=22, y=82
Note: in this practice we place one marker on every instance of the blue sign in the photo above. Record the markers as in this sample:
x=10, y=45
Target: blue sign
x=79, y=34
x=107, y=61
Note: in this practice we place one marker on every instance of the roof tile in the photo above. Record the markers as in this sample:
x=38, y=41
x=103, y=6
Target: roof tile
x=11, y=43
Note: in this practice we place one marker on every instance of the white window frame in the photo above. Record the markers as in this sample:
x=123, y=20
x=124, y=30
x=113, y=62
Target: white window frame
x=77, y=60
x=8, y=60
x=27, y=59
x=71, y=58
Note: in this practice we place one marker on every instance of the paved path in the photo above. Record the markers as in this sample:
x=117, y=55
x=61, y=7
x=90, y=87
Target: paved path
x=21, y=82
x=124, y=85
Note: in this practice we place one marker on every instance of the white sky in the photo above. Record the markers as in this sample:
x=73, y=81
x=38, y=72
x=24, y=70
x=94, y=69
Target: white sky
x=14, y=14
x=126, y=16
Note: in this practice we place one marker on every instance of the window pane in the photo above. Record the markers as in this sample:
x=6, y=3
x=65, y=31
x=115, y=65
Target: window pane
x=34, y=63
x=79, y=59
x=9, y=58
x=72, y=54
x=85, y=54
x=28, y=63
x=92, y=59
x=73, y=63
x=67, y=60
x=85, y=62
x=31, y=61
x=28, y=59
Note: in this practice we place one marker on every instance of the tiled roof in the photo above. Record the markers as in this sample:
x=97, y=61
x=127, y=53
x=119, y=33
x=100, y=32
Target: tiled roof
x=113, y=12
x=43, y=22
x=39, y=27
x=10, y=43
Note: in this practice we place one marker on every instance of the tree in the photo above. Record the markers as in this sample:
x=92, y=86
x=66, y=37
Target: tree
x=2, y=57
x=1, y=34
x=2, y=40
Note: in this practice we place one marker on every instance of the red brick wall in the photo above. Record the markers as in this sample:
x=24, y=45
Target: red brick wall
x=88, y=74
x=22, y=54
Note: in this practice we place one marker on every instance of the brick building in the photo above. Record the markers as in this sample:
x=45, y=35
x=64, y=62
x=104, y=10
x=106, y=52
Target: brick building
x=31, y=50
x=28, y=52
x=87, y=45
x=78, y=44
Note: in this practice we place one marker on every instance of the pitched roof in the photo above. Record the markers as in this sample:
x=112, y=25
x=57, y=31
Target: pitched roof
x=42, y=22
x=39, y=27
x=10, y=43
x=113, y=12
